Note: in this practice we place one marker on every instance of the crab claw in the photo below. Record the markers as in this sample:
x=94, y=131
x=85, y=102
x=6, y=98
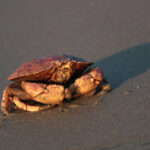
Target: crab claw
x=46, y=94
x=33, y=89
x=96, y=74
x=87, y=83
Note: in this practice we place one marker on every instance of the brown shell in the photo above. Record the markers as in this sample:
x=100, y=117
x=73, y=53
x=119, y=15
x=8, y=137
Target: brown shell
x=42, y=69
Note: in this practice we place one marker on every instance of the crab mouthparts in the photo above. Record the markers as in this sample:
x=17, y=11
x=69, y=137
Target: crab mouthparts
x=62, y=74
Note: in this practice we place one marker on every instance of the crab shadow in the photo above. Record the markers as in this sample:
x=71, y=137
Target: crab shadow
x=126, y=64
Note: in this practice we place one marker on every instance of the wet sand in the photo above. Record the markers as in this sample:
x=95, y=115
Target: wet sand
x=113, y=34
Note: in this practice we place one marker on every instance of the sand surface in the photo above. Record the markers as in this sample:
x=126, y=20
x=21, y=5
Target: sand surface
x=113, y=34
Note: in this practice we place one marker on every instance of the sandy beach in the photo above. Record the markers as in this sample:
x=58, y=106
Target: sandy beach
x=115, y=35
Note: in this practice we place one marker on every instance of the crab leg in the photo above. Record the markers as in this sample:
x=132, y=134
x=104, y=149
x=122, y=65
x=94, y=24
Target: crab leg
x=6, y=103
x=103, y=88
x=27, y=107
x=8, y=94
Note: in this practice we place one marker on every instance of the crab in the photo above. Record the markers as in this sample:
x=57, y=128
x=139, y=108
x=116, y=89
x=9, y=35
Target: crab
x=46, y=82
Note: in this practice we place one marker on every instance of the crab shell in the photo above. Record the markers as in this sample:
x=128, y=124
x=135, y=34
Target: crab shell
x=56, y=69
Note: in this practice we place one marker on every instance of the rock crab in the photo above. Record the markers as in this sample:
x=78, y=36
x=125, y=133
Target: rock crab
x=43, y=83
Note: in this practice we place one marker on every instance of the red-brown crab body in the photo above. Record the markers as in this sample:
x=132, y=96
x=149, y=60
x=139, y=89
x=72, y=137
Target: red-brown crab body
x=50, y=80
